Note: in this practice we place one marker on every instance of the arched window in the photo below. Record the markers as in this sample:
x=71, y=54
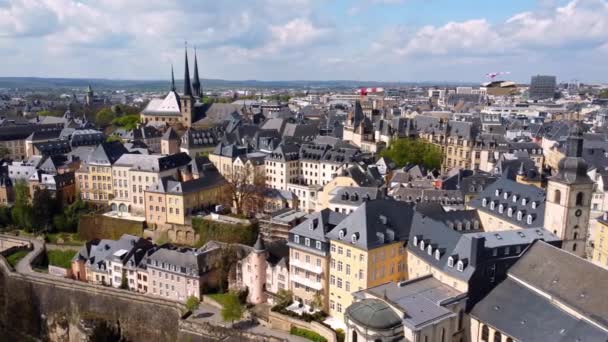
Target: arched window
x=442, y=334
x=510, y=212
x=575, y=235
x=460, y=265
x=429, y=250
x=557, y=196
x=501, y=208
x=354, y=337
x=519, y=215
x=485, y=333
x=415, y=241
x=579, y=198
x=497, y=337
x=437, y=254
x=574, y=248
x=509, y=339
x=529, y=219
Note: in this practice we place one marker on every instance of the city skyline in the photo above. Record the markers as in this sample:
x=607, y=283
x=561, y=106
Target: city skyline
x=363, y=40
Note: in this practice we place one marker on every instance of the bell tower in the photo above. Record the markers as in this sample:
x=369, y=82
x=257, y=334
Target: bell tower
x=187, y=100
x=569, y=192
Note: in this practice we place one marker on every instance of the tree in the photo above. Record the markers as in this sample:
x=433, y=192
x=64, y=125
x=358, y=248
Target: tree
x=232, y=309
x=244, y=189
x=317, y=302
x=603, y=94
x=413, y=151
x=67, y=221
x=22, y=213
x=192, y=303
x=127, y=122
x=104, y=117
x=4, y=152
x=49, y=113
x=46, y=208
x=284, y=298
x=123, y=281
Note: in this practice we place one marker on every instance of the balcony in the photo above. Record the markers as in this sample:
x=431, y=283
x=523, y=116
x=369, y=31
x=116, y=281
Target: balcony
x=306, y=266
x=313, y=284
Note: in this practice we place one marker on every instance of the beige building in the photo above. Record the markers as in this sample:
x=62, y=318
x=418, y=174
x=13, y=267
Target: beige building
x=367, y=249
x=133, y=174
x=309, y=258
x=94, y=179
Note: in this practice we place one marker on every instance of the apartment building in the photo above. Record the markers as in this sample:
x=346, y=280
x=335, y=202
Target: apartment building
x=133, y=174
x=171, y=200
x=600, y=243
x=367, y=249
x=94, y=179
x=309, y=257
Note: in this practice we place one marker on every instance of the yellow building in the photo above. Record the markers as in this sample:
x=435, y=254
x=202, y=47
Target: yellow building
x=94, y=178
x=600, y=248
x=367, y=249
x=170, y=201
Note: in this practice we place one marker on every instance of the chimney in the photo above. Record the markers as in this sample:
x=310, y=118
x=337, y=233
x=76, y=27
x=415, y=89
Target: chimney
x=477, y=249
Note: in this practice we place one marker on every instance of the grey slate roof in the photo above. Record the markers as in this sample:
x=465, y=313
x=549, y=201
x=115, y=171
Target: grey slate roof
x=374, y=314
x=318, y=224
x=496, y=193
x=525, y=315
x=568, y=278
x=374, y=224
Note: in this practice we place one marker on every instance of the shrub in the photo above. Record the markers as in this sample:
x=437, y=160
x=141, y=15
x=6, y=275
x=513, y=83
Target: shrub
x=61, y=258
x=192, y=303
x=307, y=334
x=340, y=335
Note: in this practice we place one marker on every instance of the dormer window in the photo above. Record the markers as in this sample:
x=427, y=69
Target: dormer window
x=341, y=233
x=422, y=245
x=515, y=199
x=354, y=238
x=519, y=215
x=510, y=212
x=506, y=195
x=460, y=265
x=437, y=254
x=497, y=192
x=529, y=219
x=501, y=208
x=524, y=201
x=415, y=241
x=429, y=250
x=296, y=238
x=307, y=242
x=492, y=205
x=533, y=205
x=451, y=262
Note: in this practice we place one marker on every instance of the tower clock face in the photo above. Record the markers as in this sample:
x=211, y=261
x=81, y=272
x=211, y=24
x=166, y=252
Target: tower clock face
x=578, y=213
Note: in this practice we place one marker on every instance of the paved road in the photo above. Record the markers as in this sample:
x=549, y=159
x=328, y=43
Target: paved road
x=211, y=314
x=25, y=264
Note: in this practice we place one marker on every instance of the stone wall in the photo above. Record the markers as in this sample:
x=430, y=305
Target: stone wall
x=56, y=309
x=97, y=226
x=283, y=322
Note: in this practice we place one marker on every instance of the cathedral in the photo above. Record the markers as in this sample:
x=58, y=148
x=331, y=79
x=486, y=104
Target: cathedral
x=176, y=109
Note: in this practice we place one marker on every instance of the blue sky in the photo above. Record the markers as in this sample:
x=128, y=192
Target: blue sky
x=382, y=40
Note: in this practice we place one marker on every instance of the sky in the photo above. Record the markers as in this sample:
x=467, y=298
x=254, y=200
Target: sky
x=365, y=40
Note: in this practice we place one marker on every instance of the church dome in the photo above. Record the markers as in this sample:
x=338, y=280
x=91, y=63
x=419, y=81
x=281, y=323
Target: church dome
x=373, y=314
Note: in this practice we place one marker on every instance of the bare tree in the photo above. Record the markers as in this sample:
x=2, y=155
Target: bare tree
x=244, y=189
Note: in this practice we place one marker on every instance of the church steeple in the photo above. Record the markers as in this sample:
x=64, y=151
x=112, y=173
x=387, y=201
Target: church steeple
x=196, y=85
x=172, y=79
x=187, y=87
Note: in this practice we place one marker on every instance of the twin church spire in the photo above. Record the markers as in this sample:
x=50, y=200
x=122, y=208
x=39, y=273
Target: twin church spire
x=192, y=89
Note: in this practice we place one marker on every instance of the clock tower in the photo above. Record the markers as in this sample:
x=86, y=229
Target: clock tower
x=569, y=197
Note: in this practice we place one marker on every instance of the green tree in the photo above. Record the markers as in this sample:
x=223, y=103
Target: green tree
x=67, y=221
x=192, y=303
x=128, y=122
x=284, y=298
x=123, y=281
x=104, y=117
x=413, y=151
x=603, y=94
x=22, y=213
x=4, y=152
x=46, y=208
x=317, y=302
x=232, y=309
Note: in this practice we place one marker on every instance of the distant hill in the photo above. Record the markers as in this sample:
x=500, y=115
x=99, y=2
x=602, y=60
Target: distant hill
x=151, y=85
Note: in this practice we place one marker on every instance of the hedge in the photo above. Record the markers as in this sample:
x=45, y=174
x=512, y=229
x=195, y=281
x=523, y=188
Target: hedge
x=307, y=334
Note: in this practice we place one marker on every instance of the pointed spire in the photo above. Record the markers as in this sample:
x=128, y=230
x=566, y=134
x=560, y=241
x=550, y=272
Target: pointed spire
x=196, y=84
x=172, y=79
x=187, y=87
x=259, y=244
